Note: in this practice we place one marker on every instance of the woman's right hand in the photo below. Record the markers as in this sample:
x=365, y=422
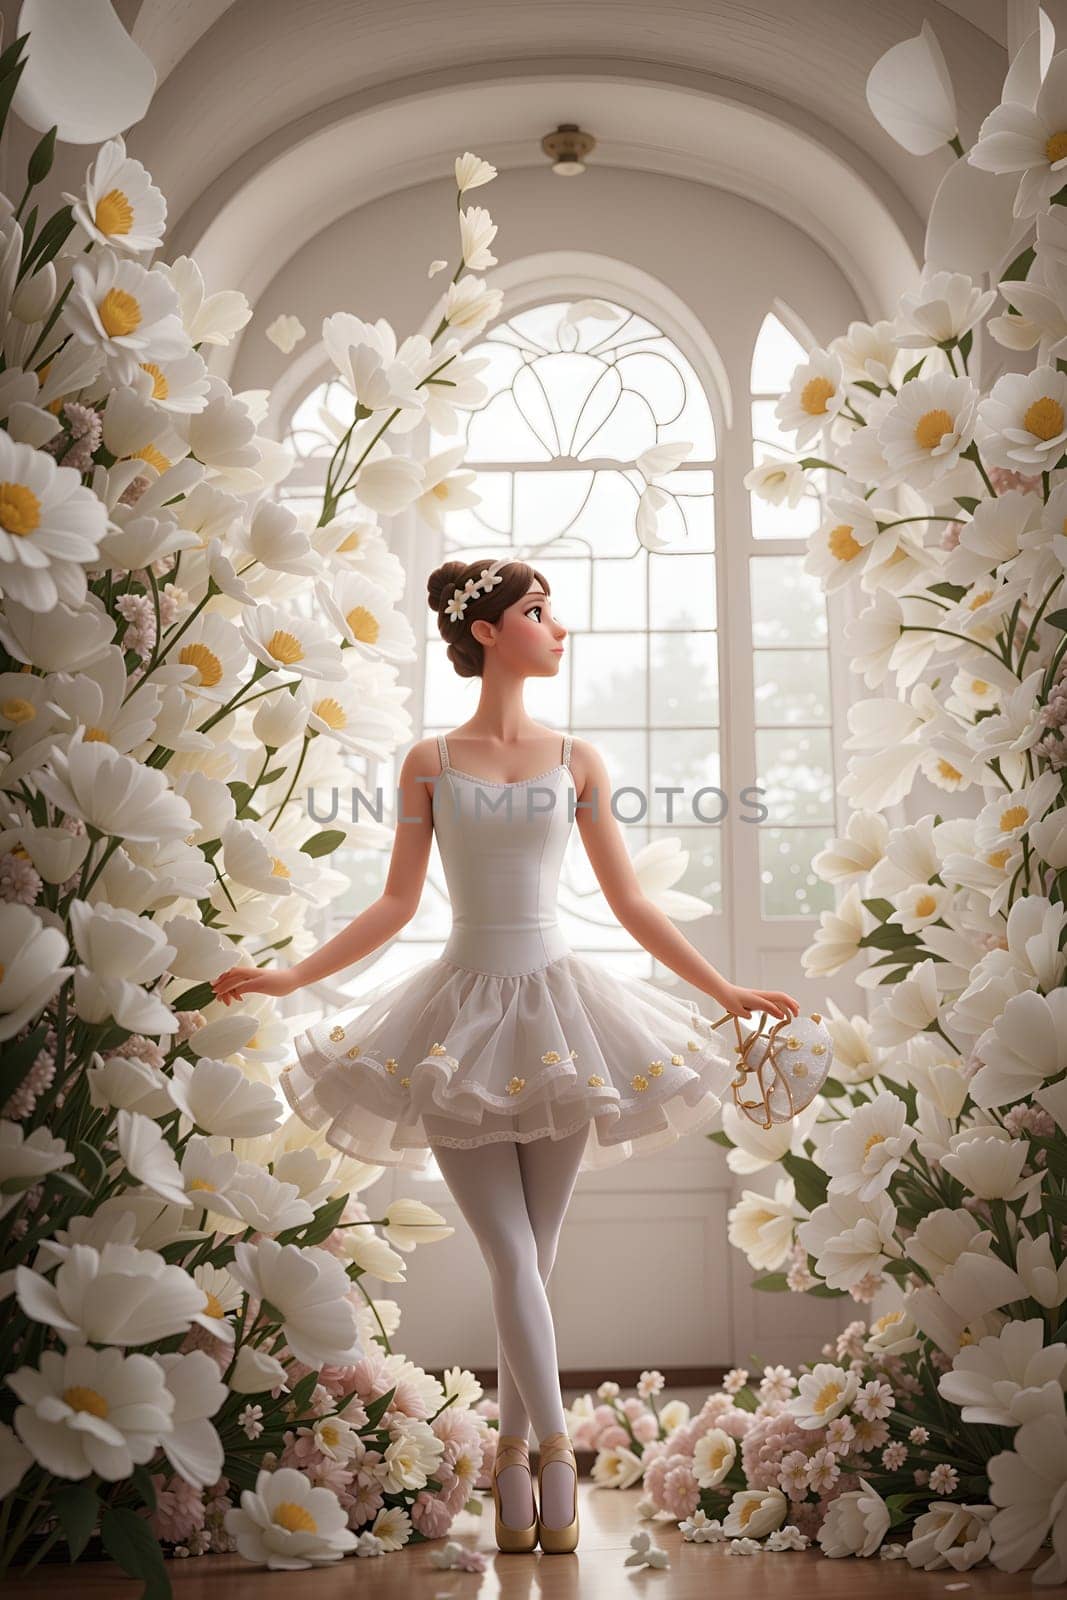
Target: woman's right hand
x=238, y=981
x=742, y=1002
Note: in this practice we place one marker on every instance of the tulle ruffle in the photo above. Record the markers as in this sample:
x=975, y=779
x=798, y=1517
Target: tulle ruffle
x=448, y=1055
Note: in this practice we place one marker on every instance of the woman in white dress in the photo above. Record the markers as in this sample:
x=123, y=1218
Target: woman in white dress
x=516, y=1060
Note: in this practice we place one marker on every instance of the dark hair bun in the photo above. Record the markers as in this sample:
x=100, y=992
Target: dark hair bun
x=465, y=652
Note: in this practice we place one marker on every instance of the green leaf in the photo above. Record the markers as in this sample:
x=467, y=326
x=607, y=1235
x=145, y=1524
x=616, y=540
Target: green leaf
x=40, y=163
x=91, y=1162
x=966, y=343
x=1058, y=619
x=1020, y=267
x=719, y=1137
x=810, y=1180
x=376, y=1409
x=890, y=936
x=76, y=1505
x=323, y=844
x=882, y=909
x=953, y=591
x=773, y=1282
x=142, y=1482
x=67, y=1180
x=833, y=1088
x=130, y=1541
x=11, y=69
x=913, y=372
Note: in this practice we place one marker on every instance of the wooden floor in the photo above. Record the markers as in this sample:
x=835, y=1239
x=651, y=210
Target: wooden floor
x=607, y=1517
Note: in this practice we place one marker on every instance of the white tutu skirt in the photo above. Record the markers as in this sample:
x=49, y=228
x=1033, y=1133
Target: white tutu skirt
x=446, y=1055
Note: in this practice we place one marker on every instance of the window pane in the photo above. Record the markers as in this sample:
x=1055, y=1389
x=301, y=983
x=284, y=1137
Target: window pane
x=703, y=874
x=788, y=886
x=610, y=681
x=682, y=591
x=777, y=352
x=686, y=759
x=791, y=686
x=685, y=678
x=620, y=592
x=788, y=605
x=796, y=773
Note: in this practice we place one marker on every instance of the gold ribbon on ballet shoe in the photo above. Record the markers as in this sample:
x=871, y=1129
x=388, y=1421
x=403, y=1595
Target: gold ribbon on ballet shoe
x=745, y=1068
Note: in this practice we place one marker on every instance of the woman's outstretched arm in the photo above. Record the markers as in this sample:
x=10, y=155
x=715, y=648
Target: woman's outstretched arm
x=395, y=906
x=645, y=922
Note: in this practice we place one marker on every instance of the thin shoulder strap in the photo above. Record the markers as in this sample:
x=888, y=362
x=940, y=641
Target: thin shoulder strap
x=442, y=750
x=567, y=750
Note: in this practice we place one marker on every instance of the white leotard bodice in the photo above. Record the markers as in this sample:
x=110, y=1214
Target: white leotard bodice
x=502, y=847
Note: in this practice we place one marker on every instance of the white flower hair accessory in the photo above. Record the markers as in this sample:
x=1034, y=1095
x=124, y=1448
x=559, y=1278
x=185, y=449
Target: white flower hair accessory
x=487, y=579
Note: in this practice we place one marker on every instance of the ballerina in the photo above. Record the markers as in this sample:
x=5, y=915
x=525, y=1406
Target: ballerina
x=512, y=1059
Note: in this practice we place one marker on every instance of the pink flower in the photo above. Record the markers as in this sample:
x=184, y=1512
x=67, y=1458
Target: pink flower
x=614, y=1437
x=634, y=1407
x=431, y=1515
x=646, y=1428
x=585, y=1434
x=681, y=1492
x=179, y=1509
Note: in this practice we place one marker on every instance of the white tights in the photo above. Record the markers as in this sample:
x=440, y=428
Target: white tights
x=514, y=1198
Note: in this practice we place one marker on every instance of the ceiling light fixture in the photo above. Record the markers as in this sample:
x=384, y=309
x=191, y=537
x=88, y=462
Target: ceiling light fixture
x=568, y=147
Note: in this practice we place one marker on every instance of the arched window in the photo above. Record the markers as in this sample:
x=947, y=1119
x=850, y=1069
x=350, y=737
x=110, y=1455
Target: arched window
x=579, y=390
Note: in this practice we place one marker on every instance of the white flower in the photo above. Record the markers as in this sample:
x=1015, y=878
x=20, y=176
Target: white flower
x=816, y=394
x=989, y=1165
x=1009, y=816
x=616, y=1467
x=1028, y=1483
x=308, y=1287
x=88, y=1410
x=115, y=794
x=660, y=460
x=927, y=428
x=744, y=1547
x=219, y=1099
x=849, y=1237
x=945, y=306
x=444, y=490
x=1022, y=422
x=286, y=332
x=335, y=1437
x=121, y=953
x=25, y=1159
x=366, y=616
x=117, y=1295
x=380, y=376
x=128, y=1083
x=286, y=642
x=864, y=1152
x=148, y=1156
x=436, y=266
x=837, y=936
x=410, y=1456
x=910, y=1007
x=51, y=527
x=920, y=904
x=1026, y=1046
x=947, y=1534
x=128, y=311
x=754, y=1512
x=1024, y=135
x=392, y=1526
x=264, y=1203
x=411, y=1222
x=372, y=1255
x=893, y=1333
x=778, y=482
x=713, y=1455
x=1007, y=1378
x=477, y=230
x=207, y=318
x=470, y=305
x=122, y=206
x=855, y=1524
x=910, y=92
x=471, y=171
x=824, y=1393
x=288, y=1524
x=763, y=1227
x=255, y=1371
x=193, y=1446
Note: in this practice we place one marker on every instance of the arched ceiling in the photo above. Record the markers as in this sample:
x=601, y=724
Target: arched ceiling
x=274, y=117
